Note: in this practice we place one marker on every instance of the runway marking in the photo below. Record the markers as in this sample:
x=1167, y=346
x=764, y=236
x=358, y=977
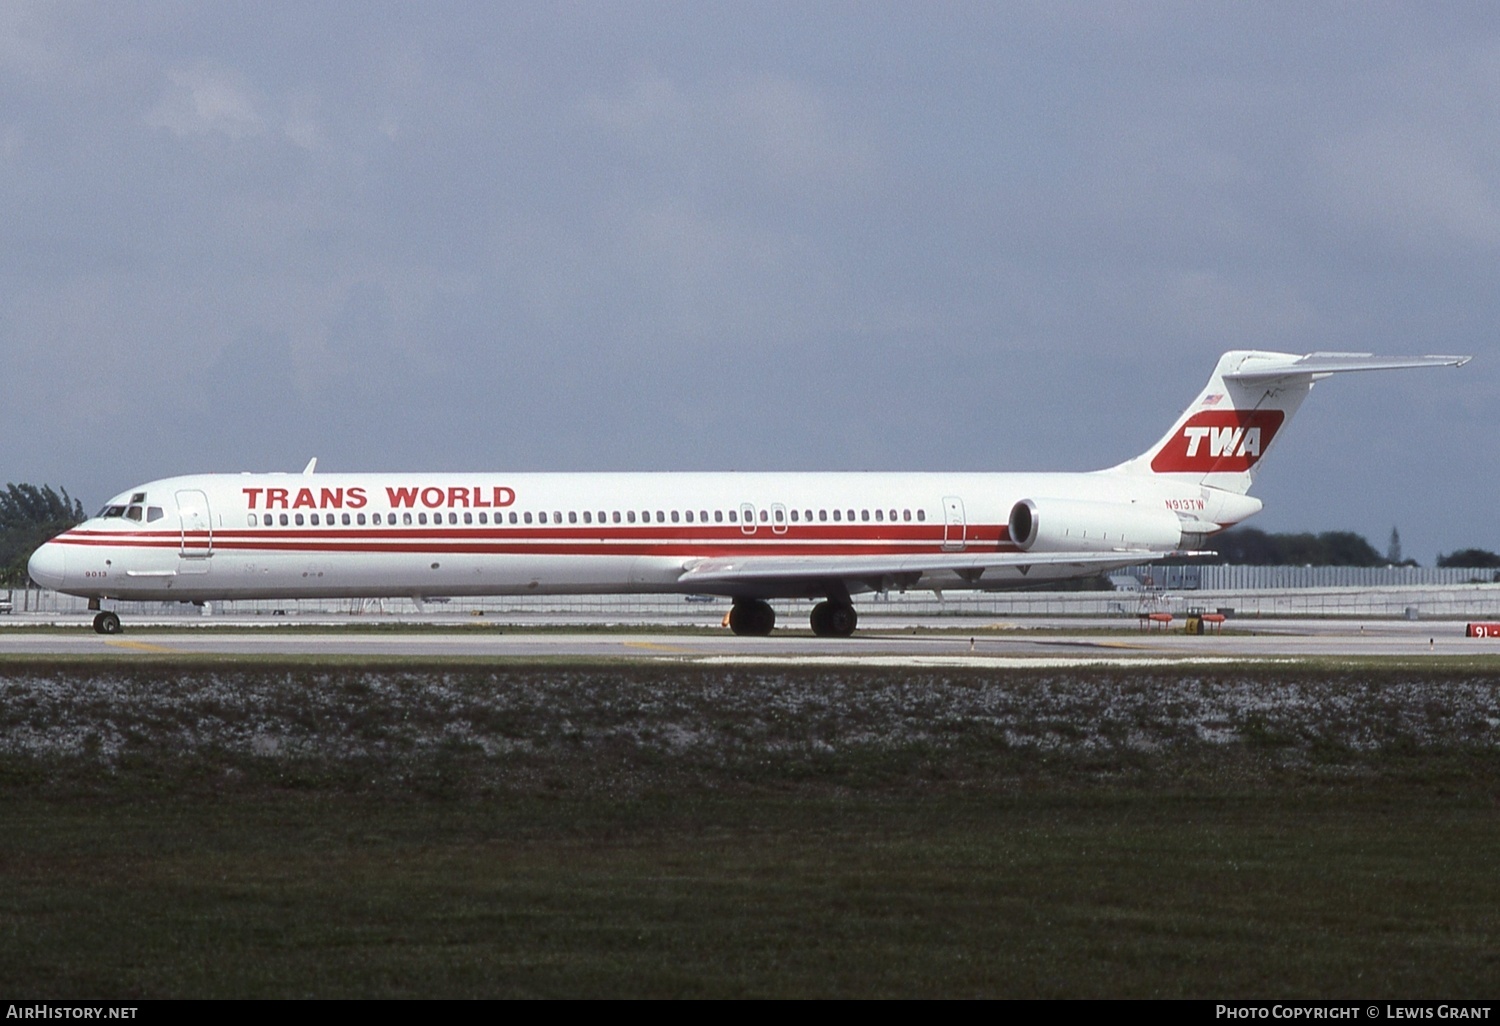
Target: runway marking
x=140, y=646
x=978, y=662
x=653, y=646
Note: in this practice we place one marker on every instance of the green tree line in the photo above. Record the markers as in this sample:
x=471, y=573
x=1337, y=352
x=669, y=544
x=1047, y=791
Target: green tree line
x=1247, y=546
x=29, y=516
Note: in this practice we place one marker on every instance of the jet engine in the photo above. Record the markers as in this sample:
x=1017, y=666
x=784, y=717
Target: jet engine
x=1075, y=525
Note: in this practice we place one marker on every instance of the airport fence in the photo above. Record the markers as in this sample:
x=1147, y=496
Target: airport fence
x=1417, y=601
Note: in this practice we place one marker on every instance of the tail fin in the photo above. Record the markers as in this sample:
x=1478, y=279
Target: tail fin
x=1221, y=438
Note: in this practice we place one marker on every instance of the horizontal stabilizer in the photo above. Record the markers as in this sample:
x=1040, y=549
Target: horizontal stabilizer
x=1318, y=364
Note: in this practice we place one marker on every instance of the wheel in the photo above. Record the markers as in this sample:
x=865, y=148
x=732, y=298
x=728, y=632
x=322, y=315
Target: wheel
x=752, y=618
x=818, y=620
x=842, y=620
x=107, y=623
x=833, y=620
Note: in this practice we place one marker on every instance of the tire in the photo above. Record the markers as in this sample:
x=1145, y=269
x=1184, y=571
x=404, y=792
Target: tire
x=752, y=619
x=842, y=620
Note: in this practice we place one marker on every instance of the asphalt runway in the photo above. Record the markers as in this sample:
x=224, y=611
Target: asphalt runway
x=880, y=642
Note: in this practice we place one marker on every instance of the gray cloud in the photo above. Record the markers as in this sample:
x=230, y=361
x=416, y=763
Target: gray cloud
x=772, y=235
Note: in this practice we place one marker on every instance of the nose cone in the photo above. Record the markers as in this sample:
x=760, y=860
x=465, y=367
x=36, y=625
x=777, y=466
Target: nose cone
x=48, y=566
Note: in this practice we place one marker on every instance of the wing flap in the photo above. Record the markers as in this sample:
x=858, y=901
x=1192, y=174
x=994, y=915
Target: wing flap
x=967, y=567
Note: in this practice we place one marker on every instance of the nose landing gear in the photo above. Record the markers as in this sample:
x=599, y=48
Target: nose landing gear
x=107, y=623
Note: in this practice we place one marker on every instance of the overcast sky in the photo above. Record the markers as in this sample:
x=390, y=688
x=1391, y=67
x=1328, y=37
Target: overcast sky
x=989, y=236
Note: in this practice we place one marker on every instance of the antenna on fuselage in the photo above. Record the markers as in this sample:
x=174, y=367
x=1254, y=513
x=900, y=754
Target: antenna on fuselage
x=312, y=465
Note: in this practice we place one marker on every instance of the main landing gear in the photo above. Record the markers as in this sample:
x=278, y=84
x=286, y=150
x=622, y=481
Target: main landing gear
x=830, y=619
x=752, y=617
x=107, y=623
x=833, y=619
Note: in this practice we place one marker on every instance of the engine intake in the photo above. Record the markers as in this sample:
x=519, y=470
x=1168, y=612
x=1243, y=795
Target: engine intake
x=1074, y=525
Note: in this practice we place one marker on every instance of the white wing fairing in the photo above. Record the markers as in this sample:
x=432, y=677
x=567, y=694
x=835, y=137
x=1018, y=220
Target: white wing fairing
x=751, y=537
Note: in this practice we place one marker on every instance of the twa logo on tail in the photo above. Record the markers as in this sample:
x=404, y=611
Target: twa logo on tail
x=1219, y=441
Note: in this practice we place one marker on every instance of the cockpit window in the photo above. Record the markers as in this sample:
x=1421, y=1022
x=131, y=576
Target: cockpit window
x=134, y=513
x=138, y=498
x=153, y=514
x=112, y=511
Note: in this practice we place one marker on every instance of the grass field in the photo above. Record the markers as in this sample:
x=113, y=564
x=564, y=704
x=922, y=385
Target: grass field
x=182, y=829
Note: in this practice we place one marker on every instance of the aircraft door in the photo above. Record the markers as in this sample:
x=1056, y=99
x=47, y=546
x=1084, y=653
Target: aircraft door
x=954, y=527
x=747, y=518
x=778, y=518
x=197, y=543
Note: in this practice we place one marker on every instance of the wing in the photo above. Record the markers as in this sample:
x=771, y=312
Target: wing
x=771, y=576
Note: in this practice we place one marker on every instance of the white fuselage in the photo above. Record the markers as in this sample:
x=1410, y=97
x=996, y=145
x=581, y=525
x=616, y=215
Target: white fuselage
x=229, y=536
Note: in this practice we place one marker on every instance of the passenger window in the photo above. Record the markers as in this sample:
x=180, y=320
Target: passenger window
x=615, y=516
x=823, y=514
x=572, y=517
x=541, y=518
x=688, y=515
x=630, y=515
x=776, y=514
x=484, y=518
x=283, y=520
x=661, y=518
x=880, y=514
x=359, y=518
x=718, y=516
x=406, y=519
x=513, y=517
x=299, y=519
x=763, y=516
x=674, y=516
x=837, y=515
x=733, y=516
x=315, y=520
x=864, y=514
x=468, y=518
x=794, y=516
x=906, y=514
x=921, y=514
x=588, y=517
x=253, y=520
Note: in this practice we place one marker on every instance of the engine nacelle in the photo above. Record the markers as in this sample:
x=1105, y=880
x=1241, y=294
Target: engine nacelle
x=1074, y=525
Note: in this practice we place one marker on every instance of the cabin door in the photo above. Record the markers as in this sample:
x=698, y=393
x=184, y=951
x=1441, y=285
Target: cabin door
x=955, y=530
x=197, y=532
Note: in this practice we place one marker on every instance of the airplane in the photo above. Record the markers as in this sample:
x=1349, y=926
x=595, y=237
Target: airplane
x=750, y=537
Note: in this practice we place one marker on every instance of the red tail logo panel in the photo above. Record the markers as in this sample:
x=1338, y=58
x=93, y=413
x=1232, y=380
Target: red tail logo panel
x=1222, y=441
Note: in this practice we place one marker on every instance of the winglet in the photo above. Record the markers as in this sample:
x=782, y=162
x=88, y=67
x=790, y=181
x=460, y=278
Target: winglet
x=312, y=465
